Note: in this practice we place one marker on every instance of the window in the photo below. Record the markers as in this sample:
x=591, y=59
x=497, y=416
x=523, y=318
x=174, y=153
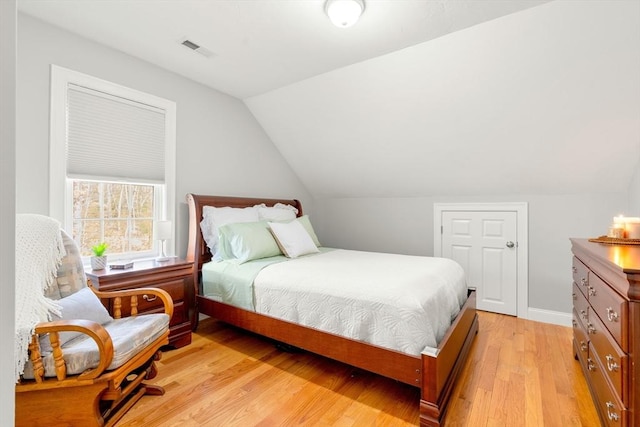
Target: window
x=112, y=163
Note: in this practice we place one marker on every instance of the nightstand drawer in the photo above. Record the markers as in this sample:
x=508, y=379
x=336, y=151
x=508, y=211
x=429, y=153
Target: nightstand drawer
x=175, y=288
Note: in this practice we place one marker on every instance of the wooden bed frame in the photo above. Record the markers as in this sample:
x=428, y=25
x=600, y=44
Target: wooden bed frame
x=434, y=375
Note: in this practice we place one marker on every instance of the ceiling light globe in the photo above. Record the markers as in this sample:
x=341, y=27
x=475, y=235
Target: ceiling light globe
x=344, y=13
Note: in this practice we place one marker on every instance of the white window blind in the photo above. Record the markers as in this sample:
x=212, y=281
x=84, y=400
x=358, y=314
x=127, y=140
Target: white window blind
x=110, y=137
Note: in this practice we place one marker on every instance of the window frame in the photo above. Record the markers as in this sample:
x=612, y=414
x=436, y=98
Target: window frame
x=60, y=208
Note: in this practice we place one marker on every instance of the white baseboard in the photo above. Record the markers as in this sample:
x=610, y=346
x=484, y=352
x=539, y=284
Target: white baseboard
x=549, y=316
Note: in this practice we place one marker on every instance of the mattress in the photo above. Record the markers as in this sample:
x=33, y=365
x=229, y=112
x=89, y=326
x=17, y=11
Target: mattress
x=400, y=302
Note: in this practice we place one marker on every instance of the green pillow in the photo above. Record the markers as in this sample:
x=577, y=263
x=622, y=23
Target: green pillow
x=306, y=223
x=246, y=241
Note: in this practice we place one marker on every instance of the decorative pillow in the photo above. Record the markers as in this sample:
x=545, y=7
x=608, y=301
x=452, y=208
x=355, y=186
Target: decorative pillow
x=213, y=218
x=83, y=304
x=293, y=239
x=70, y=276
x=246, y=241
x=279, y=212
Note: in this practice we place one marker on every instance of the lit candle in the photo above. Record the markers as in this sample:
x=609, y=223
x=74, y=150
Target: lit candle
x=632, y=227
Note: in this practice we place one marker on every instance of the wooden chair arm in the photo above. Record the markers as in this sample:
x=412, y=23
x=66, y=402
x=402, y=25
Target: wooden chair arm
x=160, y=293
x=88, y=327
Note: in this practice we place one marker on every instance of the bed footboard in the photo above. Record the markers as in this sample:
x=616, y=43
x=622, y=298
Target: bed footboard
x=442, y=371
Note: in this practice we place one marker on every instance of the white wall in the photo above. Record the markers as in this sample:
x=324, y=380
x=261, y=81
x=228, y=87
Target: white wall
x=634, y=193
x=7, y=207
x=405, y=225
x=221, y=149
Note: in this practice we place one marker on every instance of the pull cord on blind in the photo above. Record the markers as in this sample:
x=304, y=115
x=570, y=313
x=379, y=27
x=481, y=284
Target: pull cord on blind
x=114, y=137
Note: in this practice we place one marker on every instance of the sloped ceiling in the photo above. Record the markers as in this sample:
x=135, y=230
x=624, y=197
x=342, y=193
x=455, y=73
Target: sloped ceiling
x=261, y=45
x=544, y=101
x=420, y=97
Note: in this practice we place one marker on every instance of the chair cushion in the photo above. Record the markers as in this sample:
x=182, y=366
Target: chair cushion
x=85, y=305
x=70, y=276
x=129, y=336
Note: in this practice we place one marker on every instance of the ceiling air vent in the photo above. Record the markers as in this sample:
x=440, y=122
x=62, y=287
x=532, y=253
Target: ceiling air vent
x=196, y=47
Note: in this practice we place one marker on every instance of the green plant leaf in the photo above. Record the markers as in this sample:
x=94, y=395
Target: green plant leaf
x=98, y=250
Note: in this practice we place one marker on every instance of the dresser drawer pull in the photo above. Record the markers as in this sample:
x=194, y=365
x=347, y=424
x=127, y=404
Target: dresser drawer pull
x=583, y=346
x=583, y=281
x=611, y=365
x=612, y=315
x=575, y=297
x=583, y=314
x=590, y=365
x=613, y=416
x=149, y=298
x=574, y=269
x=590, y=328
x=592, y=291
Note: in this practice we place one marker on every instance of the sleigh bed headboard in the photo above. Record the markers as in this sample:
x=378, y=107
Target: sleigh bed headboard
x=197, y=249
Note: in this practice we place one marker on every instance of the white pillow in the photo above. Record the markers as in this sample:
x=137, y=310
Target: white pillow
x=83, y=304
x=214, y=218
x=279, y=212
x=293, y=239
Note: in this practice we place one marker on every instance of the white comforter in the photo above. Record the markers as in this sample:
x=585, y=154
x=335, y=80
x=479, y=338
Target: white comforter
x=405, y=303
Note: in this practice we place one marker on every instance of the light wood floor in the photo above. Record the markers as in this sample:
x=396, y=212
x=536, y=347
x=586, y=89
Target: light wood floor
x=520, y=373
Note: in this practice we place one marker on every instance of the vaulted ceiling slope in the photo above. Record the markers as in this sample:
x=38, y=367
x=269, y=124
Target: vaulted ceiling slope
x=543, y=101
x=261, y=45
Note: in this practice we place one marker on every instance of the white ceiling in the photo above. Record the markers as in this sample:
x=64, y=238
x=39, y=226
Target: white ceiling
x=261, y=45
x=419, y=98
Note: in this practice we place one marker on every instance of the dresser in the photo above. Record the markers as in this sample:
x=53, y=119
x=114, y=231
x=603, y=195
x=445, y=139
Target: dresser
x=606, y=327
x=174, y=276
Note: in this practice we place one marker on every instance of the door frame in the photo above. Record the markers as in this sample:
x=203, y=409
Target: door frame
x=522, y=229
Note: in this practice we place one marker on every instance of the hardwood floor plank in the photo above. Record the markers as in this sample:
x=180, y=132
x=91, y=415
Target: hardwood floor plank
x=519, y=373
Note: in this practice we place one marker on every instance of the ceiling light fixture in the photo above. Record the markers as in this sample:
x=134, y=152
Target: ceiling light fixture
x=344, y=13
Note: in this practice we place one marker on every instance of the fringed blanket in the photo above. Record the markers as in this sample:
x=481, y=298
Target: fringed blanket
x=39, y=253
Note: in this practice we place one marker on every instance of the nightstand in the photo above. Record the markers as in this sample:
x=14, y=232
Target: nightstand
x=174, y=276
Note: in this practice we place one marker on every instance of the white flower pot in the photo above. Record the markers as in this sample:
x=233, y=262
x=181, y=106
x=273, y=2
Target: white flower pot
x=98, y=262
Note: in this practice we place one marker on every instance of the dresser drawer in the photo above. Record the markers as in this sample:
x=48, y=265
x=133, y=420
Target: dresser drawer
x=613, y=412
x=614, y=361
x=580, y=275
x=611, y=308
x=580, y=305
x=580, y=339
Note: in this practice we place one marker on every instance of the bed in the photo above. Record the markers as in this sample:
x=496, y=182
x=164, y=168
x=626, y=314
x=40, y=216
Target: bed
x=434, y=371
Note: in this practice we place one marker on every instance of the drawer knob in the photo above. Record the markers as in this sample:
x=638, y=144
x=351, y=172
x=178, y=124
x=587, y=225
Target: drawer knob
x=611, y=364
x=591, y=329
x=583, y=281
x=590, y=365
x=574, y=269
x=612, y=315
x=583, y=346
x=613, y=416
x=149, y=298
x=583, y=314
x=592, y=291
x=575, y=297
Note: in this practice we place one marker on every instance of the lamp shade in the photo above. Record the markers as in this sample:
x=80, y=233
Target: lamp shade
x=344, y=13
x=162, y=230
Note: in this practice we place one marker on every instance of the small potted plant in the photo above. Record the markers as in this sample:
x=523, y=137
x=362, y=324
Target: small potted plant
x=99, y=259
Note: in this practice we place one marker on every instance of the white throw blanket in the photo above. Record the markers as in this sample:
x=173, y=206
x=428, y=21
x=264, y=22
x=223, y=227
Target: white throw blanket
x=39, y=253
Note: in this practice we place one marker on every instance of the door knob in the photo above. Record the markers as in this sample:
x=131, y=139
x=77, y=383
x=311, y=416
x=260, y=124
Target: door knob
x=510, y=244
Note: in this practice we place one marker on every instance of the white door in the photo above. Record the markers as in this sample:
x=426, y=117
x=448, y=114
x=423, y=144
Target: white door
x=485, y=244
